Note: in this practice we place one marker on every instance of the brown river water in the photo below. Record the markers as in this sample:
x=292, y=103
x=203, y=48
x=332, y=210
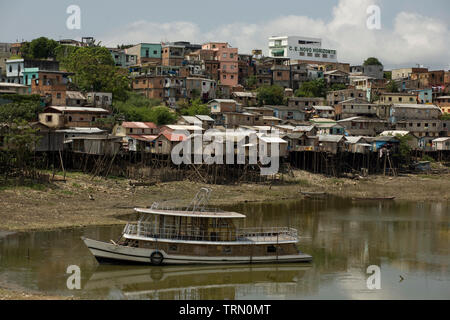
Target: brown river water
x=408, y=241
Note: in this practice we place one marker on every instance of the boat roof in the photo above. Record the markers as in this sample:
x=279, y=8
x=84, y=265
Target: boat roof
x=197, y=214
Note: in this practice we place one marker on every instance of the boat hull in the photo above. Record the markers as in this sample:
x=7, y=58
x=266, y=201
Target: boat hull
x=113, y=253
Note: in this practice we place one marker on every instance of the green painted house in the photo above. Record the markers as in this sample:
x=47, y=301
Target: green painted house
x=146, y=52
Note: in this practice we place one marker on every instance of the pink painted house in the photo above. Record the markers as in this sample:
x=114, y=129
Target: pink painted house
x=228, y=59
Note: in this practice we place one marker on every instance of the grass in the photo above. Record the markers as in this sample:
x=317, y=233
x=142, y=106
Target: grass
x=429, y=176
x=336, y=181
x=76, y=185
x=14, y=184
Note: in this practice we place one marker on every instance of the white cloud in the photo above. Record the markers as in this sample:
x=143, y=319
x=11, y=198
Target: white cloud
x=414, y=38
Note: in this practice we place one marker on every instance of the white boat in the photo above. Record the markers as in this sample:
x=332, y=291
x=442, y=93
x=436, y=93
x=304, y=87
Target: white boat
x=197, y=235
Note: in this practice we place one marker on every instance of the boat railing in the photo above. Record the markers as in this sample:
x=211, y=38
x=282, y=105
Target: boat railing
x=268, y=234
x=170, y=207
x=195, y=233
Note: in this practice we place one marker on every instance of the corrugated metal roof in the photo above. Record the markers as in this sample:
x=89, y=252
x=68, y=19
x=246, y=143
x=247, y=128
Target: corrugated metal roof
x=143, y=137
x=224, y=100
x=394, y=133
x=191, y=120
x=416, y=106
x=183, y=127
x=76, y=95
x=82, y=130
x=441, y=139
x=269, y=139
x=139, y=125
x=330, y=138
x=325, y=108
x=303, y=128
x=77, y=109
x=173, y=137
x=204, y=118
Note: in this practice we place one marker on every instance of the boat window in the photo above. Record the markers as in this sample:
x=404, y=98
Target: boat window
x=226, y=249
x=173, y=248
x=271, y=249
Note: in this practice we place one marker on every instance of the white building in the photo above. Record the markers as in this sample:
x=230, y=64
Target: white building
x=300, y=48
x=14, y=70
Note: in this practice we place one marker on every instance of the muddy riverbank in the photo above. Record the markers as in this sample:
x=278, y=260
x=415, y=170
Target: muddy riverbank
x=80, y=201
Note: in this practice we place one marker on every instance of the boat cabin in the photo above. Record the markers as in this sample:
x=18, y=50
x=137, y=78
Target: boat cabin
x=187, y=225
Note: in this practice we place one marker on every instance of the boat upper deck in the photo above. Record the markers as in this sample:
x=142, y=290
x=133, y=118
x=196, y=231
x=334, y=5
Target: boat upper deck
x=196, y=214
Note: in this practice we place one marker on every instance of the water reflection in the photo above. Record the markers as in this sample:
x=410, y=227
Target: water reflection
x=196, y=282
x=343, y=236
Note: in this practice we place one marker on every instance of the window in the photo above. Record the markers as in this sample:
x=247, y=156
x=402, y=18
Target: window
x=58, y=95
x=49, y=118
x=226, y=249
x=173, y=248
x=271, y=249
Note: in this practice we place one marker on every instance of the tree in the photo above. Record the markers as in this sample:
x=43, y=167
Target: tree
x=392, y=86
x=404, y=147
x=337, y=86
x=314, y=88
x=20, y=111
x=162, y=115
x=95, y=71
x=196, y=107
x=195, y=94
x=270, y=95
x=20, y=141
x=372, y=61
x=40, y=48
x=139, y=108
x=250, y=82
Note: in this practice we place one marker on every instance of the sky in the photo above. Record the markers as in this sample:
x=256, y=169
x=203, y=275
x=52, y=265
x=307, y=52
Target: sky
x=412, y=31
